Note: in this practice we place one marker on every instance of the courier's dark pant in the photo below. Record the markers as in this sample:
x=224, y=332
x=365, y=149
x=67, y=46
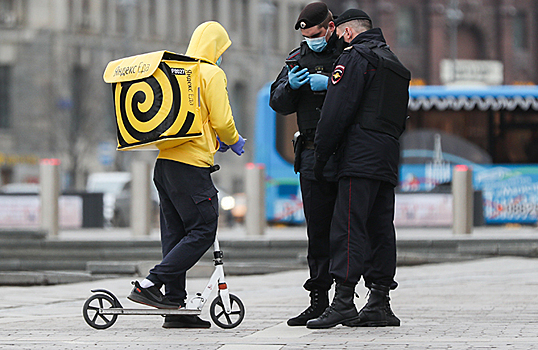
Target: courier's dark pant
x=364, y=213
x=318, y=207
x=189, y=212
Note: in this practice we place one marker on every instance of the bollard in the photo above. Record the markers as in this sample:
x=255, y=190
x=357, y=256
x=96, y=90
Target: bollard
x=255, y=191
x=140, y=198
x=49, y=192
x=462, y=203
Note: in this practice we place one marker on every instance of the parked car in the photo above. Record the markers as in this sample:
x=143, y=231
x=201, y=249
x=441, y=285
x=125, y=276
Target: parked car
x=110, y=184
x=122, y=208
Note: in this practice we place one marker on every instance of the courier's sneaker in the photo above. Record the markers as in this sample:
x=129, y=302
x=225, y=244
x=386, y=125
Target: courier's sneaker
x=151, y=296
x=185, y=321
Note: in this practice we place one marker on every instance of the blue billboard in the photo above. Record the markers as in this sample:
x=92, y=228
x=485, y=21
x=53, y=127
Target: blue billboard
x=509, y=192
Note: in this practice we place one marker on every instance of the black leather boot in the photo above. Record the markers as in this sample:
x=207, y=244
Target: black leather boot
x=319, y=300
x=341, y=310
x=377, y=311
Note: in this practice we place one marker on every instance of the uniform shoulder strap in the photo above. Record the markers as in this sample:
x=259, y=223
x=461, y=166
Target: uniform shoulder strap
x=294, y=53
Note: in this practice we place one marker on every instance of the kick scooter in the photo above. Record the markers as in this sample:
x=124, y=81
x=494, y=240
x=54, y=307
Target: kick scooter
x=101, y=310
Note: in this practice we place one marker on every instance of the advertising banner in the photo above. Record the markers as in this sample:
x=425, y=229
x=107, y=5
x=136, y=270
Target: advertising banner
x=509, y=192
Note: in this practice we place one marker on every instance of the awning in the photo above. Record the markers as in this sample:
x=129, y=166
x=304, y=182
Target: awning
x=468, y=98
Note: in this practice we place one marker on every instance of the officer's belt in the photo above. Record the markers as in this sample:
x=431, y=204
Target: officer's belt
x=308, y=144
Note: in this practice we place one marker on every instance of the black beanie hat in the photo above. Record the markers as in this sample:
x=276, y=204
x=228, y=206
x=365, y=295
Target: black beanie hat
x=313, y=14
x=351, y=15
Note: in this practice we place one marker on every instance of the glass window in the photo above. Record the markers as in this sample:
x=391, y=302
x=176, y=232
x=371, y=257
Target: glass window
x=7, y=13
x=405, y=26
x=520, y=30
x=5, y=100
x=152, y=14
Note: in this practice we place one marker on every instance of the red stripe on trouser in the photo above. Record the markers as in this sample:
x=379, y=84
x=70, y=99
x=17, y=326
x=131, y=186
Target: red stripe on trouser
x=348, y=228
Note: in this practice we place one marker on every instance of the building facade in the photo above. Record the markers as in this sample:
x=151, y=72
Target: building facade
x=54, y=103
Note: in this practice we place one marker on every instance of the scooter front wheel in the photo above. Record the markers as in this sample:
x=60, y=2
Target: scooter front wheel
x=221, y=318
x=92, y=314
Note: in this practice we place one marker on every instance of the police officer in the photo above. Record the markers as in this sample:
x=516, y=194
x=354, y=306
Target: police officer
x=363, y=116
x=188, y=198
x=300, y=88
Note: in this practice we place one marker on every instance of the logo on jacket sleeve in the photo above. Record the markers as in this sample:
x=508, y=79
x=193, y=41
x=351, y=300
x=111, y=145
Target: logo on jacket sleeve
x=338, y=73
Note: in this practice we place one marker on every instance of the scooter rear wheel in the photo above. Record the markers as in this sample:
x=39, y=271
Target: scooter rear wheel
x=221, y=318
x=91, y=313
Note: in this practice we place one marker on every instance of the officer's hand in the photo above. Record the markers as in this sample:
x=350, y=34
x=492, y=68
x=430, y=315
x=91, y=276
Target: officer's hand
x=222, y=146
x=238, y=146
x=298, y=78
x=318, y=82
x=318, y=170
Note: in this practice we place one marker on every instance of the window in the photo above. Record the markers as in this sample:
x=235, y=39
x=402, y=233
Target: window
x=152, y=14
x=5, y=100
x=8, y=16
x=80, y=90
x=520, y=30
x=405, y=26
x=121, y=13
x=86, y=15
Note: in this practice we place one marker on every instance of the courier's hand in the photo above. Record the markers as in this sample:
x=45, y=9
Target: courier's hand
x=238, y=146
x=222, y=146
x=298, y=78
x=318, y=82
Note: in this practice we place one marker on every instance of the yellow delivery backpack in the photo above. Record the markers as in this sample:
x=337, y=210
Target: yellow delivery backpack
x=156, y=99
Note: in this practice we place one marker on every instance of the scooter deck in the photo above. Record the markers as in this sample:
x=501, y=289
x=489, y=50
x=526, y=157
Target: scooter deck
x=163, y=312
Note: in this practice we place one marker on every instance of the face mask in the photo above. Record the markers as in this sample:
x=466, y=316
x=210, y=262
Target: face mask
x=219, y=61
x=316, y=44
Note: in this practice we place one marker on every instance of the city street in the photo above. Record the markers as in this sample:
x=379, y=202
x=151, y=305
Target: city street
x=480, y=304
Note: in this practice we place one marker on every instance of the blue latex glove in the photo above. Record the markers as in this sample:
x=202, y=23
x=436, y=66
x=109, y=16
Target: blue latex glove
x=318, y=82
x=238, y=146
x=298, y=78
x=222, y=146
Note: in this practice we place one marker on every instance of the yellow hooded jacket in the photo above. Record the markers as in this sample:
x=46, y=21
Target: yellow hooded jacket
x=208, y=42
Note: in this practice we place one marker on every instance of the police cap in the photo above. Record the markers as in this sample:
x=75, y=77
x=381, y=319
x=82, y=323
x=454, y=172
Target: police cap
x=313, y=14
x=351, y=15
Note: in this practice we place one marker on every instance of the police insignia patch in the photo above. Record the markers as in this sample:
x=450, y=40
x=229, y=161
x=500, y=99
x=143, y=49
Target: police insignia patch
x=338, y=73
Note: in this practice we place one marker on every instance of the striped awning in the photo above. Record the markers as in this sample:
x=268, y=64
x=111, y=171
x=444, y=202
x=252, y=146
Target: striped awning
x=483, y=98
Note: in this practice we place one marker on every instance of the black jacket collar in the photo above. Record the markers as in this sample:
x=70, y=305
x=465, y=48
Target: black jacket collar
x=374, y=34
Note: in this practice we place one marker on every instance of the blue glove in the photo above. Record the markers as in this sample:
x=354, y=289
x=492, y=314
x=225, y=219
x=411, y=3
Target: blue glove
x=298, y=78
x=222, y=146
x=238, y=146
x=318, y=82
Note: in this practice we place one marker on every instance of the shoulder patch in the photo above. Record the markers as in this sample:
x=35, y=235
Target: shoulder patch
x=293, y=53
x=338, y=73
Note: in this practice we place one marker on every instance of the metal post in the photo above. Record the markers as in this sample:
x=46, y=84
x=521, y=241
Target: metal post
x=255, y=191
x=49, y=192
x=140, y=198
x=462, y=192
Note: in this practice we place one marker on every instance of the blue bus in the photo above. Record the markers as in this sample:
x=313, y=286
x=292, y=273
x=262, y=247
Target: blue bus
x=273, y=148
x=494, y=119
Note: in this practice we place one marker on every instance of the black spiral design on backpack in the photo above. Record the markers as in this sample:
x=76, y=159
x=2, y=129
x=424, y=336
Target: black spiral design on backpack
x=145, y=110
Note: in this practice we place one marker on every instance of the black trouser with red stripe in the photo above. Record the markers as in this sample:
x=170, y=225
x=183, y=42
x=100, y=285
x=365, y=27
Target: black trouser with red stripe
x=363, y=214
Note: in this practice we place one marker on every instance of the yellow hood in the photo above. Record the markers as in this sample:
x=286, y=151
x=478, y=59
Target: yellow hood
x=209, y=41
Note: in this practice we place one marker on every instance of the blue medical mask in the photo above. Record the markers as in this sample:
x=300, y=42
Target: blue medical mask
x=219, y=61
x=316, y=44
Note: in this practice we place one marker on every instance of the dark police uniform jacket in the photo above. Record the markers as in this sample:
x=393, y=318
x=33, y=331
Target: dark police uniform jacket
x=306, y=103
x=361, y=152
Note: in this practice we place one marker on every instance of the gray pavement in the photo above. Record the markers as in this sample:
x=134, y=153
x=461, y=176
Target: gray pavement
x=480, y=304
